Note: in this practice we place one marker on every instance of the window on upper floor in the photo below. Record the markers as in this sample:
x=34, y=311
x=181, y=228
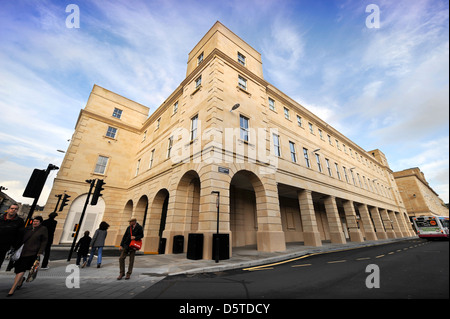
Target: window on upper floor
x=286, y=113
x=271, y=104
x=100, y=167
x=319, y=166
x=117, y=113
x=276, y=144
x=169, y=146
x=242, y=83
x=111, y=132
x=299, y=121
x=241, y=58
x=152, y=156
x=200, y=58
x=198, y=82
x=311, y=129
x=243, y=123
x=194, y=122
x=305, y=154
x=175, y=107
x=293, y=154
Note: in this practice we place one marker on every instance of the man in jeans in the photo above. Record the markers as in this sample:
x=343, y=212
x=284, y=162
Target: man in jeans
x=134, y=231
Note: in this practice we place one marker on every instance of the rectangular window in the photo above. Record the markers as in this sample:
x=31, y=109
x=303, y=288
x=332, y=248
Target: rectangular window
x=175, y=107
x=244, y=128
x=111, y=132
x=242, y=83
x=100, y=167
x=276, y=144
x=337, y=170
x=198, y=82
x=286, y=113
x=152, y=156
x=292, y=148
x=299, y=121
x=337, y=144
x=353, y=177
x=345, y=174
x=329, y=140
x=200, y=58
x=359, y=180
x=311, y=128
x=145, y=136
x=137, y=167
x=169, y=147
x=320, y=134
x=327, y=161
x=158, y=123
x=319, y=166
x=117, y=113
x=305, y=153
x=271, y=104
x=241, y=58
x=194, y=121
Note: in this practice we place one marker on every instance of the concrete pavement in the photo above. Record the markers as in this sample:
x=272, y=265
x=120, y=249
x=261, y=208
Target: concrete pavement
x=63, y=280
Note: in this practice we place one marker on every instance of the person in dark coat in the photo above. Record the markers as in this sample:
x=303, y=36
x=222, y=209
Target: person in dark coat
x=134, y=231
x=11, y=231
x=50, y=223
x=82, y=248
x=34, y=241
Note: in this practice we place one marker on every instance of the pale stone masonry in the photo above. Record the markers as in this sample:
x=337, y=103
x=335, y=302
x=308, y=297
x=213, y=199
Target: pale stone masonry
x=417, y=195
x=284, y=175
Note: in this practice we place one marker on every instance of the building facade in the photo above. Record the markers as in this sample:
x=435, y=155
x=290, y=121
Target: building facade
x=284, y=175
x=417, y=195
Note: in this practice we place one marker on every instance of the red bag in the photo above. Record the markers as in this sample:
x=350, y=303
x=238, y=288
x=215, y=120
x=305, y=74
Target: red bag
x=135, y=244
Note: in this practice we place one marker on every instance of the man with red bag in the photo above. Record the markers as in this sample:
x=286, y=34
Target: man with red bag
x=131, y=241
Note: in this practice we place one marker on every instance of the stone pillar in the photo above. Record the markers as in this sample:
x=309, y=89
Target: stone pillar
x=387, y=223
x=377, y=222
x=401, y=223
x=270, y=236
x=350, y=216
x=395, y=224
x=367, y=222
x=311, y=232
x=336, y=232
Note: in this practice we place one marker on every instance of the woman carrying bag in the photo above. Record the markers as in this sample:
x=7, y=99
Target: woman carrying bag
x=34, y=241
x=98, y=242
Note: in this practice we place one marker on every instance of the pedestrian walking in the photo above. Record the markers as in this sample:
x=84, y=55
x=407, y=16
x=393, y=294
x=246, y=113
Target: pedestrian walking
x=50, y=223
x=133, y=232
x=34, y=241
x=82, y=248
x=11, y=231
x=98, y=242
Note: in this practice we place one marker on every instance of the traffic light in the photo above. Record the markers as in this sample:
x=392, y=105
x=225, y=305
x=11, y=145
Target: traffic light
x=97, y=191
x=64, y=202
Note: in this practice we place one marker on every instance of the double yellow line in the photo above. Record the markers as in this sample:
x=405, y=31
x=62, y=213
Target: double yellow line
x=269, y=266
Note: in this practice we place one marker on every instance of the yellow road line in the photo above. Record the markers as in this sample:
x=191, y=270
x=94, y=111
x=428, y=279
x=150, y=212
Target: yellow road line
x=363, y=258
x=380, y=256
x=336, y=261
x=303, y=265
x=278, y=263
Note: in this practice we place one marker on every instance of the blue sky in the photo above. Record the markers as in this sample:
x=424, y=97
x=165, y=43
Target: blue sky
x=383, y=87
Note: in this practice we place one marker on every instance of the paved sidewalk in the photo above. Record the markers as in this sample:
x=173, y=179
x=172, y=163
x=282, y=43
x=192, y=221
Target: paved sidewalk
x=101, y=283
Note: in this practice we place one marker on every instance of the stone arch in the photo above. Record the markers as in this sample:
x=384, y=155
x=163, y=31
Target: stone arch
x=155, y=221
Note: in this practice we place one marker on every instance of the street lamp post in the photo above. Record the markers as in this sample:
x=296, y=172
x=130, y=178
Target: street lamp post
x=217, y=236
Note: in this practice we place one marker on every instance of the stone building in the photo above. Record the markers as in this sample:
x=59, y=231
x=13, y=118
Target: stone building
x=284, y=175
x=417, y=195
